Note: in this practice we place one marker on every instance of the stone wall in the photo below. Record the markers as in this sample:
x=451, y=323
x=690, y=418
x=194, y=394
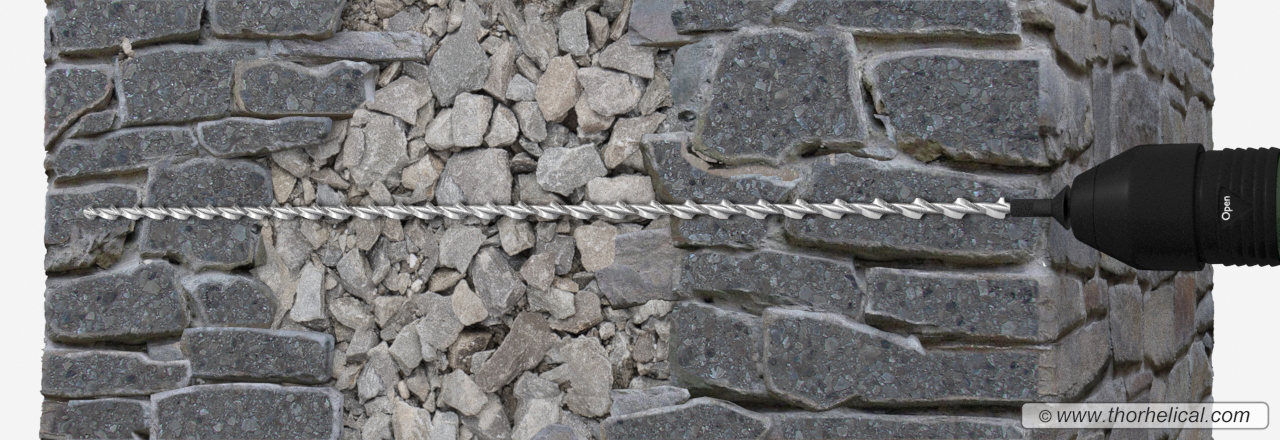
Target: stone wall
x=467, y=329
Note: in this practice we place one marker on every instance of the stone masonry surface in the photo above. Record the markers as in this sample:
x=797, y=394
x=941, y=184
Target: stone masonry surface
x=615, y=328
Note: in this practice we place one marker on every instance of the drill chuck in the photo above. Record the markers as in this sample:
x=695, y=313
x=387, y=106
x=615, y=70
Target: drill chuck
x=1173, y=207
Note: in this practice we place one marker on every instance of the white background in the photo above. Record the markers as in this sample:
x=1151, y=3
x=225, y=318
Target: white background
x=1246, y=337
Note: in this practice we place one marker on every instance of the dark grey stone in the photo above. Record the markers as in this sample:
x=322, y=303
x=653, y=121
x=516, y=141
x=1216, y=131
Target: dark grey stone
x=963, y=108
x=93, y=124
x=778, y=94
x=1189, y=31
x=88, y=27
x=123, y=151
x=650, y=20
x=217, y=243
x=645, y=267
x=523, y=349
x=717, y=351
x=556, y=432
x=701, y=418
x=973, y=239
x=772, y=277
x=847, y=424
x=1136, y=107
x=129, y=304
x=678, y=181
x=476, y=176
x=981, y=305
x=906, y=17
x=460, y=65
x=74, y=242
x=225, y=300
x=739, y=232
x=280, y=88
x=178, y=84
x=359, y=46
x=107, y=419
x=245, y=354
x=1120, y=11
x=235, y=137
x=236, y=411
x=562, y=248
x=717, y=15
x=630, y=401
x=820, y=361
x=275, y=18
x=72, y=91
x=496, y=282
x=77, y=374
x=1074, y=364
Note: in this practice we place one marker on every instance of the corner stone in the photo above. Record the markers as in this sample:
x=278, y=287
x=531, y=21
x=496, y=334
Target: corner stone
x=703, y=417
x=74, y=242
x=248, y=411
x=131, y=304
x=259, y=355
x=78, y=374
x=717, y=351
x=72, y=91
x=156, y=86
x=279, y=88
x=97, y=27
x=218, y=243
x=275, y=18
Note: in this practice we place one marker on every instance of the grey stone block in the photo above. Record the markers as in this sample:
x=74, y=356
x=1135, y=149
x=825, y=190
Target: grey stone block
x=645, y=267
x=275, y=18
x=217, y=243
x=1120, y=11
x=233, y=411
x=820, y=361
x=280, y=88
x=75, y=242
x=778, y=94
x=717, y=351
x=157, y=85
x=1191, y=33
x=73, y=91
x=123, y=151
x=107, y=419
x=701, y=418
x=968, y=109
x=459, y=65
x=772, y=277
x=373, y=47
x=1126, y=322
x=650, y=20
x=562, y=170
x=96, y=27
x=475, y=177
x=1168, y=323
x=128, y=304
x=78, y=374
x=1074, y=364
x=496, y=282
x=738, y=232
x=236, y=137
x=523, y=349
x=1034, y=307
x=633, y=401
x=716, y=15
x=245, y=354
x=848, y=424
x=677, y=180
x=93, y=124
x=1136, y=107
x=905, y=17
x=970, y=240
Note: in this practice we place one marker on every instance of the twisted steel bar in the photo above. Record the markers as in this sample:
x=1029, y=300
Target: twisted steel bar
x=723, y=210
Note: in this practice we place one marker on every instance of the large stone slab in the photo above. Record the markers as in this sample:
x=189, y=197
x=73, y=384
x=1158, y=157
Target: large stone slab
x=275, y=18
x=717, y=351
x=74, y=242
x=238, y=411
x=968, y=109
x=245, y=354
x=281, y=88
x=1034, y=307
x=820, y=361
x=906, y=17
x=973, y=239
x=677, y=180
x=523, y=349
x=772, y=277
x=645, y=267
x=358, y=46
x=129, y=304
x=96, y=27
x=701, y=418
x=847, y=424
x=157, y=86
x=226, y=300
x=78, y=374
x=217, y=243
x=123, y=151
x=236, y=137
x=107, y=419
x=71, y=92
x=777, y=94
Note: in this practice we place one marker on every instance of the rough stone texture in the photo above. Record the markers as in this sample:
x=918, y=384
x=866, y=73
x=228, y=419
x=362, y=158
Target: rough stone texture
x=1168, y=320
x=677, y=180
x=258, y=355
x=459, y=65
x=234, y=411
x=275, y=18
x=645, y=267
x=749, y=118
x=71, y=92
x=156, y=87
x=712, y=15
x=906, y=17
x=475, y=177
x=588, y=373
x=628, y=189
x=79, y=374
x=735, y=232
x=703, y=417
x=121, y=152
x=529, y=340
x=770, y=277
x=969, y=240
x=607, y=93
x=1067, y=371
x=358, y=46
x=215, y=243
x=235, y=137
x=716, y=350
x=276, y=88
x=107, y=419
x=562, y=170
x=95, y=27
x=997, y=101
x=74, y=242
x=558, y=89
x=495, y=281
x=838, y=424
x=633, y=401
x=224, y=300
x=128, y=304
x=651, y=21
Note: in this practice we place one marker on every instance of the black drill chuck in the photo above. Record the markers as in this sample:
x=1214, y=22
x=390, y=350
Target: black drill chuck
x=1173, y=207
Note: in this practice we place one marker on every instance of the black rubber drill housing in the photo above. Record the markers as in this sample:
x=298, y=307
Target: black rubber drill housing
x=1173, y=207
